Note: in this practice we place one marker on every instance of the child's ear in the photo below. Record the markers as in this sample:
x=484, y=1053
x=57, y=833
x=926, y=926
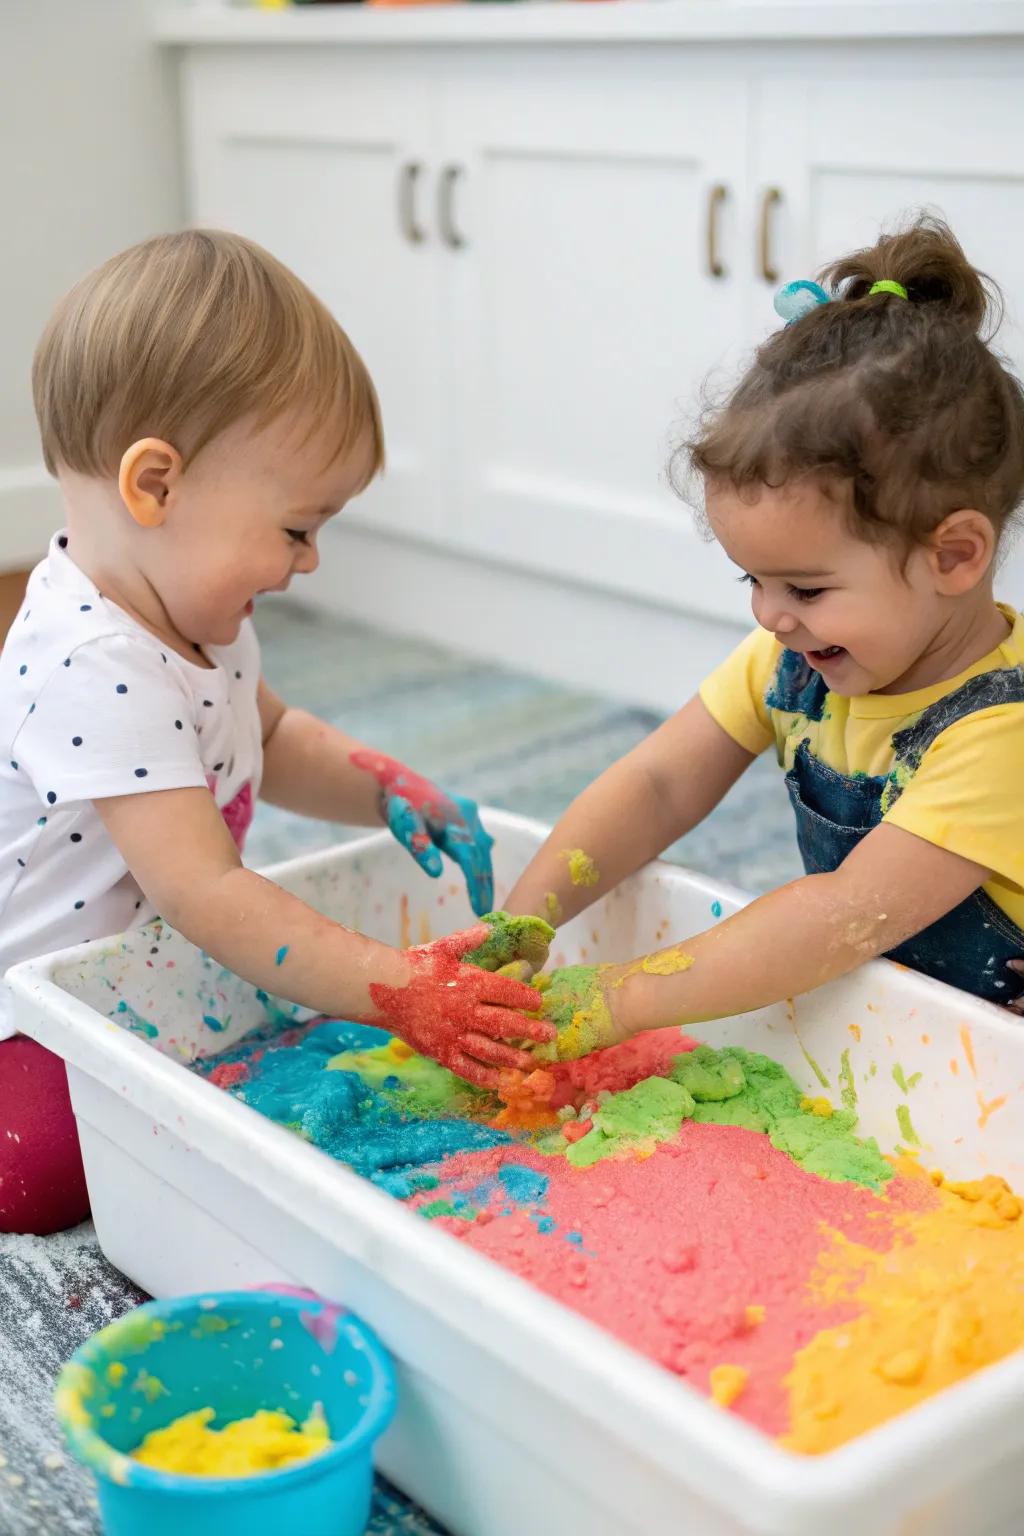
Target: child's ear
x=150, y=470
x=961, y=550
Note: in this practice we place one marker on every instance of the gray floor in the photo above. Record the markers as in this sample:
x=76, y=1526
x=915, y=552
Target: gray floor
x=509, y=740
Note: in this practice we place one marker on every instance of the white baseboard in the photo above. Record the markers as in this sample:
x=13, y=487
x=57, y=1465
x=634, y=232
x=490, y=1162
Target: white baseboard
x=592, y=640
x=31, y=511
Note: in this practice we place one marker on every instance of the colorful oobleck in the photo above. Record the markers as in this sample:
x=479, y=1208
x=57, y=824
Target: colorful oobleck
x=693, y=1202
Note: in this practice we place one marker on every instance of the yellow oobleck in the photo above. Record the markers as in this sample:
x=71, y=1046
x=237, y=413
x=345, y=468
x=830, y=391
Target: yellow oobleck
x=264, y=1442
x=946, y=1299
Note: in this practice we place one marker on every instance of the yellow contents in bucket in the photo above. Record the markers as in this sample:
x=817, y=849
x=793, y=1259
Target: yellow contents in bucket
x=264, y=1442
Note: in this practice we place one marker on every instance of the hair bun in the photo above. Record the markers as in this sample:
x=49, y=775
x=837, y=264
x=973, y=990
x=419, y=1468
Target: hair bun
x=928, y=260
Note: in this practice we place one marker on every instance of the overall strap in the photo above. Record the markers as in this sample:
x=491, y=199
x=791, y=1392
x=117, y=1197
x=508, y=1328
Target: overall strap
x=987, y=691
x=796, y=688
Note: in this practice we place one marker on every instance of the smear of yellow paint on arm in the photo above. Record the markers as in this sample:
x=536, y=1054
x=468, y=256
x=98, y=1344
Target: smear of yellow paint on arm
x=968, y=1045
x=667, y=962
x=582, y=869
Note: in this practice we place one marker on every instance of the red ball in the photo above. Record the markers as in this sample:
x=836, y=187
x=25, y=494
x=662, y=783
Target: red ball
x=42, y=1182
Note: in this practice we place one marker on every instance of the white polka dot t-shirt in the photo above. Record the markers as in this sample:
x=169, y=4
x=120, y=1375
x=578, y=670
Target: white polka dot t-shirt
x=93, y=705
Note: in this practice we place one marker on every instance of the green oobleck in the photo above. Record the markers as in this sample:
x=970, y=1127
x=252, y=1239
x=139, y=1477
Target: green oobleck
x=511, y=938
x=708, y=1075
x=416, y=1085
x=769, y=1101
x=652, y=1110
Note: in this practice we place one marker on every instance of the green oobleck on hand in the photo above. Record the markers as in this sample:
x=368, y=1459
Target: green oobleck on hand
x=652, y=1110
x=511, y=938
x=574, y=1000
x=770, y=1101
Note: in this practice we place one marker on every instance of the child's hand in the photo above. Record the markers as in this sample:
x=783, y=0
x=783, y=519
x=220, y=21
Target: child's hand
x=425, y=819
x=461, y=1015
x=581, y=1002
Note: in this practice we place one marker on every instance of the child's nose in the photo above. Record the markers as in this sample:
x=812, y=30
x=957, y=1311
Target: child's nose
x=772, y=614
x=308, y=558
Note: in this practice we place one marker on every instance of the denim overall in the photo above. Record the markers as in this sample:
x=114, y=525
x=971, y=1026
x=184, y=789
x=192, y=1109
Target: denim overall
x=970, y=946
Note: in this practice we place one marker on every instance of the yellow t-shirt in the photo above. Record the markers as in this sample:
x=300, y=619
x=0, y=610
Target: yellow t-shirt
x=967, y=794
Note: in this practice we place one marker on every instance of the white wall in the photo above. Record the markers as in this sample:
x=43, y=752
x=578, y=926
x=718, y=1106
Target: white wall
x=88, y=164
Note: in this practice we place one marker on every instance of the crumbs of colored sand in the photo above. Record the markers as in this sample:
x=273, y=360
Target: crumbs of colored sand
x=582, y=869
x=263, y=1442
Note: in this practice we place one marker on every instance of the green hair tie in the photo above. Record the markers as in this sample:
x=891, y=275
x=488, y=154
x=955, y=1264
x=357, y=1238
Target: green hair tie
x=886, y=285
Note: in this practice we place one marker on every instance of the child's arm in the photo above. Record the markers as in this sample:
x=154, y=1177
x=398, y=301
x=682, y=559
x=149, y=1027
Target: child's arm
x=890, y=887
x=640, y=805
x=315, y=769
x=181, y=853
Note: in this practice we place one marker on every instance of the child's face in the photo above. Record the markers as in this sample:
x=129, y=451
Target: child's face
x=861, y=620
x=242, y=519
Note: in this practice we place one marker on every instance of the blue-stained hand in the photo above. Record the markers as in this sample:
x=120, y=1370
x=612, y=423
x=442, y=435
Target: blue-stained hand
x=443, y=823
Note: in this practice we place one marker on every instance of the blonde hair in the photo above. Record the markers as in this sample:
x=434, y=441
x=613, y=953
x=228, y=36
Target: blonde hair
x=182, y=336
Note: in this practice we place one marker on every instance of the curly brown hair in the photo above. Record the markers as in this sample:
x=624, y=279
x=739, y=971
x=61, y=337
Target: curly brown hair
x=898, y=408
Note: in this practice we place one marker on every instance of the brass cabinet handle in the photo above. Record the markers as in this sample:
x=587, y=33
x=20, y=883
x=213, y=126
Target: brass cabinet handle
x=450, y=233
x=769, y=202
x=408, y=176
x=716, y=197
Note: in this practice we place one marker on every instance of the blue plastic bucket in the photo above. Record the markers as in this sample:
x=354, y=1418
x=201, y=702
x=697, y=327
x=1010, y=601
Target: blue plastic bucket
x=235, y=1352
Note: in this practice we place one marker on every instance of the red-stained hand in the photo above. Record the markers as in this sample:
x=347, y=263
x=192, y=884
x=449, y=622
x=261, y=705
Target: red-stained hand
x=460, y=1015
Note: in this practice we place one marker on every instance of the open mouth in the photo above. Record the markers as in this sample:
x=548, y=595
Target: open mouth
x=830, y=653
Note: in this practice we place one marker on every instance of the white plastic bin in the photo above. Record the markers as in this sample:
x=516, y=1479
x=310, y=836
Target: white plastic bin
x=517, y=1417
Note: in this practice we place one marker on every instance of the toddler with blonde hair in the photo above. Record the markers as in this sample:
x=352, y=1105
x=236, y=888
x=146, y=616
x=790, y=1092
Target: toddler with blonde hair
x=205, y=417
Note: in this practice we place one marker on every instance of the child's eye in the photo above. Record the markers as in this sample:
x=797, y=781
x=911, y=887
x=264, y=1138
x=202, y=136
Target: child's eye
x=747, y=580
x=805, y=594
x=297, y=535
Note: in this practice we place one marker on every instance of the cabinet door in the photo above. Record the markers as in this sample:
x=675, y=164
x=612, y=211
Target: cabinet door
x=864, y=135
x=585, y=313
x=313, y=157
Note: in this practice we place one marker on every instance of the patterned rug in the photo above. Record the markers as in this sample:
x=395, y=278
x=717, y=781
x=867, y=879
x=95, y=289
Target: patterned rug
x=507, y=739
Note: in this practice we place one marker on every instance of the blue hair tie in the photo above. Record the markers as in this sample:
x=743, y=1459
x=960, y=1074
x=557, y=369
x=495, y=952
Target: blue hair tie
x=798, y=299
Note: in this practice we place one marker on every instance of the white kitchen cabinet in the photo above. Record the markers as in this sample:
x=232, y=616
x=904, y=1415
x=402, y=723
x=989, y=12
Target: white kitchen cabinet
x=537, y=270
x=323, y=161
x=597, y=283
